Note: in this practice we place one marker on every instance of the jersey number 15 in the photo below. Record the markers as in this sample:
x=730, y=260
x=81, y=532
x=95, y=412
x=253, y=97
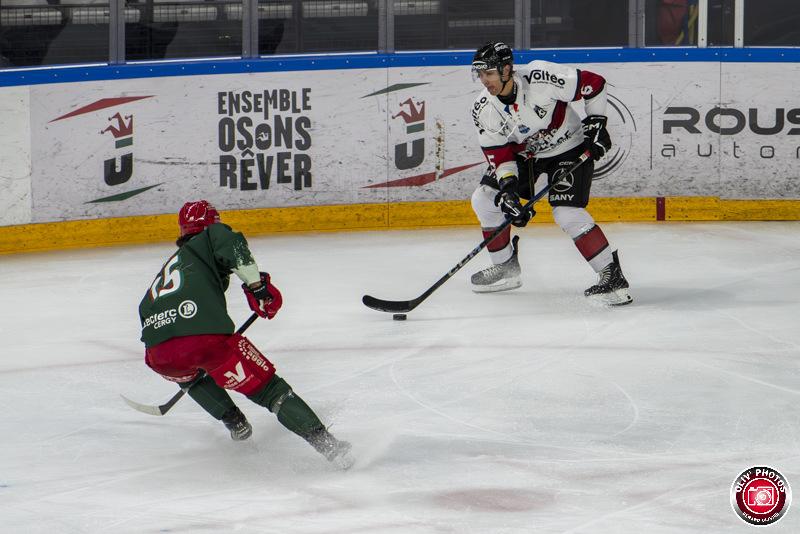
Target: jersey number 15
x=168, y=280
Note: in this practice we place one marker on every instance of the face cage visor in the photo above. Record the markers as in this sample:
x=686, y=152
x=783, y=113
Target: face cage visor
x=480, y=66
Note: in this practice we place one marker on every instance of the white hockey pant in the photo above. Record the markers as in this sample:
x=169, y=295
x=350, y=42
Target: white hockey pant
x=575, y=222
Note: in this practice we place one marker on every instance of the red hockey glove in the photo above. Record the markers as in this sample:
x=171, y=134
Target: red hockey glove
x=264, y=299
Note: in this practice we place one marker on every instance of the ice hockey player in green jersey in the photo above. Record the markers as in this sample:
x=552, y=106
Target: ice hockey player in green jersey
x=190, y=339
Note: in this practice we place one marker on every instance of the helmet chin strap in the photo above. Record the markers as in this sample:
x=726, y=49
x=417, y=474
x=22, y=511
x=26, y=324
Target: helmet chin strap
x=509, y=79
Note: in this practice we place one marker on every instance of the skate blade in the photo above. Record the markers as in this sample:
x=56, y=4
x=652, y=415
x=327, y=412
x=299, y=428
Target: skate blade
x=620, y=297
x=344, y=462
x=344, y=459
x=506, y=285
x=243, y=435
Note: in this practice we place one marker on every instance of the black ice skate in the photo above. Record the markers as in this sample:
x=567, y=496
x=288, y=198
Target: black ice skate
x=335, y=451
x=501, y=277
x=611, y=287
x=236, y=422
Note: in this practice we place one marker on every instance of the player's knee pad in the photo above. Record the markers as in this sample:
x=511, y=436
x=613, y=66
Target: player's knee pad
x=574, y=221
x=273, y=395
x=245, y=369
x=489, y=215
x=291, y=410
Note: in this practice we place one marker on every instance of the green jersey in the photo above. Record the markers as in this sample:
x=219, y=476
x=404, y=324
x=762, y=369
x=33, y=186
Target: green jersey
x=187, y=296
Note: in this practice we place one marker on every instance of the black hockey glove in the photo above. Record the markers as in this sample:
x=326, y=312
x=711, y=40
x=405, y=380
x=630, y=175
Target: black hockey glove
x=598, y=142
x=508, y=200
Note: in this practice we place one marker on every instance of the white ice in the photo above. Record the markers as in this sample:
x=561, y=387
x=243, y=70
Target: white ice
x=529, y=411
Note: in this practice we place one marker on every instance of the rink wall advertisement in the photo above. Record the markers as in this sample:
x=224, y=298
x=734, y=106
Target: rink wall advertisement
x=144, y=146
x=15, y=156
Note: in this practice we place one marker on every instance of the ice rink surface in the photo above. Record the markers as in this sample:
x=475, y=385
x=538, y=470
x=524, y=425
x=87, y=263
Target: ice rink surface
x=528, y=411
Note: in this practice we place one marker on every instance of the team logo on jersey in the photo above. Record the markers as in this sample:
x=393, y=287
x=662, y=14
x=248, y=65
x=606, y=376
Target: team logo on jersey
x=187, y=309
x=545, y=140
x=540, y=112
x=760, y=496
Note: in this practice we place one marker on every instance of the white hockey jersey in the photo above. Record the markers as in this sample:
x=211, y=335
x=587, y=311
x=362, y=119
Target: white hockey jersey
x=541, y=122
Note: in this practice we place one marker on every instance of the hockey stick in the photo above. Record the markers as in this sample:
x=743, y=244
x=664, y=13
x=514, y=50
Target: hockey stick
x=405, y=306
x=164, y=408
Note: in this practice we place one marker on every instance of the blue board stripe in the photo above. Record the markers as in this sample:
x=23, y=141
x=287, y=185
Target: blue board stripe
x=70, y=74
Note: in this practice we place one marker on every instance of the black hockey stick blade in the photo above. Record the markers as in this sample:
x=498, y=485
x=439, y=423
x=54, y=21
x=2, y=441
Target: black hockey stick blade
x=390, y=306
x=405, y=306
x=162, y=409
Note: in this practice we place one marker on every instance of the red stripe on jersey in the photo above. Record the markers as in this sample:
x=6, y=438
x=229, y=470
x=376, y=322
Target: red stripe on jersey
x=589, y=84
x=577, y=95
x=501, y=154
x=591, y=243
x=559, y=113
x=500, y=242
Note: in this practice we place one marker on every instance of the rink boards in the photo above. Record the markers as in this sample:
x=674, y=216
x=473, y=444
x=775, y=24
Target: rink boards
x=351, y=143
x=404, y=215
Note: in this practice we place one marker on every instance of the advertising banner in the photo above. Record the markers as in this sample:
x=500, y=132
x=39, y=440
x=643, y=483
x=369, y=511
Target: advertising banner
x=758, y=122
x=15, y=156
x=144, y=146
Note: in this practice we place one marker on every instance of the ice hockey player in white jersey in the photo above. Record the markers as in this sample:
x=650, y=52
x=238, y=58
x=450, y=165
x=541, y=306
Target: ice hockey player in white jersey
x=527, y=127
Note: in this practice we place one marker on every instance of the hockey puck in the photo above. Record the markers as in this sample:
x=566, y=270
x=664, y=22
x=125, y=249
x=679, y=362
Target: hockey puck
x=399, y=317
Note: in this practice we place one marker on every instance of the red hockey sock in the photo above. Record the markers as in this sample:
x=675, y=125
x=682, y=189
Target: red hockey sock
x=591, y=243
x=500, y=242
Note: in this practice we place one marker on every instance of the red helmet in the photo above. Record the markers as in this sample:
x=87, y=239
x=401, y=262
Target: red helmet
x=196, y=216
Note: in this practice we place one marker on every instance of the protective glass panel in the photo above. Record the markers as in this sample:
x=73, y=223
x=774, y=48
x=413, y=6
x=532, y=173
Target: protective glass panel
x=772, y=23
x=39, y=32
x=332, y=26
x=182, y=29
x=471, y=23
x=277, y=27
x=671, y=23
x=721, y=22
x=574, y=23
x=420, y=24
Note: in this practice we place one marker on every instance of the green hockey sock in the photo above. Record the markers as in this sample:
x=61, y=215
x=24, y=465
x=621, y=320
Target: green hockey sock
x=292, y=411
x=212, y=398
